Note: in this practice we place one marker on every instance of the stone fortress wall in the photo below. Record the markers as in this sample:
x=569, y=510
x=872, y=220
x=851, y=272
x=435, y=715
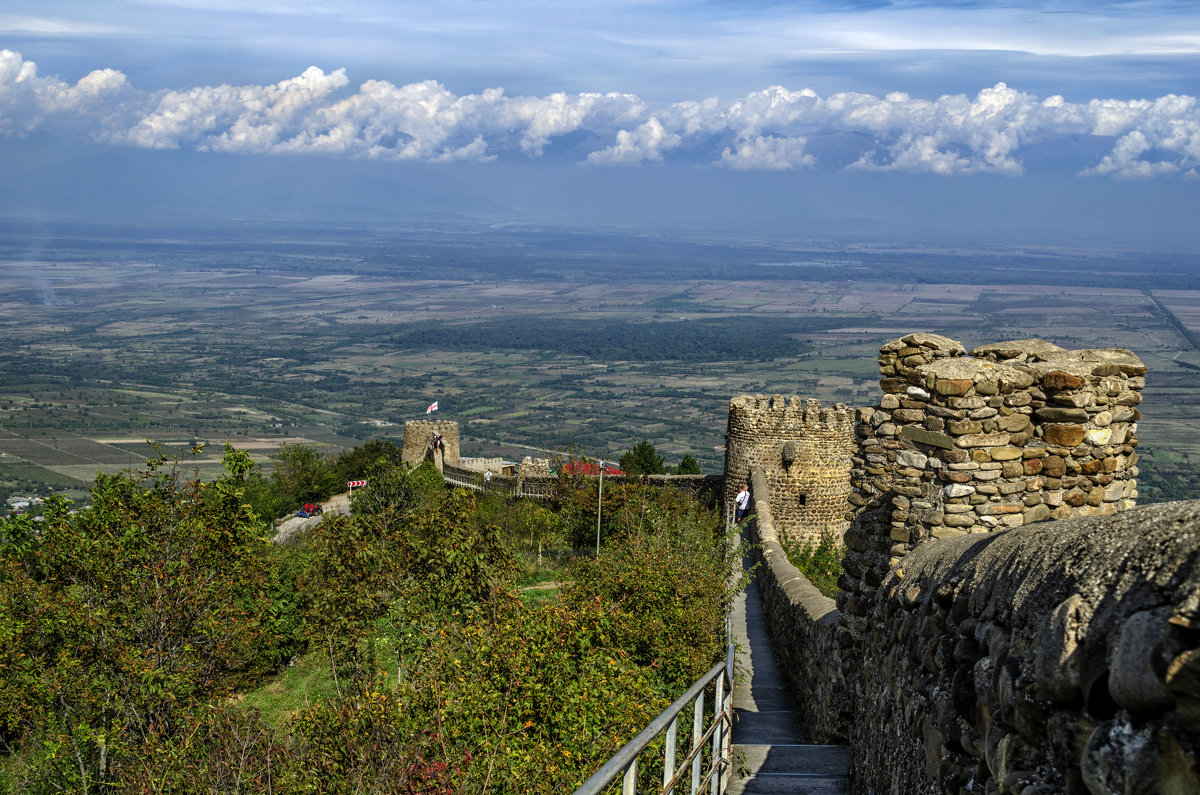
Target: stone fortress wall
x=975, y=647
x=804, y=453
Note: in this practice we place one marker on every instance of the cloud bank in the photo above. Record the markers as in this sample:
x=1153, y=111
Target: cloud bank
x=317, y=113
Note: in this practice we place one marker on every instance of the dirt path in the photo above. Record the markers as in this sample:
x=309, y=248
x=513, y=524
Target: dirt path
x=285, y=529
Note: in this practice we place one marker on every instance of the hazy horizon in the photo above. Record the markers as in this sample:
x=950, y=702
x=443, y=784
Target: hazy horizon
x=1050, y=122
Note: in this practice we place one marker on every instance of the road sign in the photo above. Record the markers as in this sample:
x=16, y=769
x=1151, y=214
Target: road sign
x=354, y=484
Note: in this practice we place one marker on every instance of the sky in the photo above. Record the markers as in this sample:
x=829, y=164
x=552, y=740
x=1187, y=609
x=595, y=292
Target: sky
x=1067, y=119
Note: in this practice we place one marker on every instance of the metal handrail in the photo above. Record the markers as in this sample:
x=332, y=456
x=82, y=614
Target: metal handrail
x=471, y=480
x=720, y=732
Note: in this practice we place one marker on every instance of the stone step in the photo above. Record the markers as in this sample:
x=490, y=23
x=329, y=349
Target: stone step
x=773, y=784
x=826, y=760
x=766, y=727
x=815, y=769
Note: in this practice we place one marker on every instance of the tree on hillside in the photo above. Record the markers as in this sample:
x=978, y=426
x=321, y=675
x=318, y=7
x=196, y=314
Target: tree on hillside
x=688, y=466
x=119, y=621
x=643, y=459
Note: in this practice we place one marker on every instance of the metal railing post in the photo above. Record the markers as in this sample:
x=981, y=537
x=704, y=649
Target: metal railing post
x=717, y=740
x=629, y=781
x=697, y=734
x=669, y=756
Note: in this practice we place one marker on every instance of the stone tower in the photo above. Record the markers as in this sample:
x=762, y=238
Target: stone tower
x=805, y=453
x=418, y=439
x=1016, y=432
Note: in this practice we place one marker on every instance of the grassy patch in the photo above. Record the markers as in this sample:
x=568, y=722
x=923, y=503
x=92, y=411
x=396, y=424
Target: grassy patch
x=307, y=681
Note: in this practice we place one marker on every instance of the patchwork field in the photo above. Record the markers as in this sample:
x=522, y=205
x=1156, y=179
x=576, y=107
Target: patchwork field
x=540, y=346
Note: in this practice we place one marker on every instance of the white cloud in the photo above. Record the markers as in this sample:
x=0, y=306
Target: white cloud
x=318, y=113
x=767, y=152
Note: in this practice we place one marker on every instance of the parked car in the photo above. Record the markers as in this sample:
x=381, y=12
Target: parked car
x=310, y=509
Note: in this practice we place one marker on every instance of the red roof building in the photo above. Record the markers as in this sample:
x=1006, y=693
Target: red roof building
x=588, y=468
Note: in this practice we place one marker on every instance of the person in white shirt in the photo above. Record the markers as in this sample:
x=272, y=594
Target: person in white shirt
x=742, y=502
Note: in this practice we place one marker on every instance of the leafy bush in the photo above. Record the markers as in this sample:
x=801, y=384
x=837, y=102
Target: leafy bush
x=540, y=697
x=626, y=505
x=669, y=581
x=821, y=562
x=120, y=620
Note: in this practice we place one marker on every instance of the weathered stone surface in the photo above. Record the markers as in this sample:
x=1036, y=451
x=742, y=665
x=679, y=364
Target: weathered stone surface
x=982, y=440
x=1063, y=435
x=1033, y=347
x=915, y=434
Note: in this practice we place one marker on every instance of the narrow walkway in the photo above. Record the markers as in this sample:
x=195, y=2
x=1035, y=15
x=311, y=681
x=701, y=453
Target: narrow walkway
x=767, y=737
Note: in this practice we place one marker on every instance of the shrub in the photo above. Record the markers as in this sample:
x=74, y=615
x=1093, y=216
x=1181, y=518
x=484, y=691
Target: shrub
x=669, y=579
x=821, y=562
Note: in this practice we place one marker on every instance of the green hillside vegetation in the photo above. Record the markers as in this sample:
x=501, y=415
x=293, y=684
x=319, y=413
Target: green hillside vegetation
x=157, y=641
x=704, y=340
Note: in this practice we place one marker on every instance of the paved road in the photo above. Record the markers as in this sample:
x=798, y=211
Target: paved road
x=287, y=528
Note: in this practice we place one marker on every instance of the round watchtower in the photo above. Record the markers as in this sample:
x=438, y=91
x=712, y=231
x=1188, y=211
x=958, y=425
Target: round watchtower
x=418, y=442
x=804, y=451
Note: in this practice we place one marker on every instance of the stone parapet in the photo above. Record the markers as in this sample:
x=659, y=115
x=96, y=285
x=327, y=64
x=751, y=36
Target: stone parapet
x=1015, y=433
x=1059, y=657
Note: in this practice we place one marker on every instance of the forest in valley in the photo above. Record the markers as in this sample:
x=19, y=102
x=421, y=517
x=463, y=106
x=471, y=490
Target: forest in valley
x=430, y=641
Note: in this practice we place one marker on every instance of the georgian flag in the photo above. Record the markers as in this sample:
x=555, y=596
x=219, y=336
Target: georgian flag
x=432, y=408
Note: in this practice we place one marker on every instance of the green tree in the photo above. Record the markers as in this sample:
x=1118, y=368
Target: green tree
x=301, y=474
x=359, y=462
x=688, y=466
x=123, y=618
x=643, y=459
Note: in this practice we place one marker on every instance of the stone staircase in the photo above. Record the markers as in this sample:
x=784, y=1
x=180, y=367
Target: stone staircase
x=768, y=740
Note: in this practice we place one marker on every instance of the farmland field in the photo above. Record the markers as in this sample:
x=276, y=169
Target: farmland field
x=530, y=341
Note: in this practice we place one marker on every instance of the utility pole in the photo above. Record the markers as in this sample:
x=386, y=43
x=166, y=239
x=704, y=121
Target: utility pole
x=599, y=503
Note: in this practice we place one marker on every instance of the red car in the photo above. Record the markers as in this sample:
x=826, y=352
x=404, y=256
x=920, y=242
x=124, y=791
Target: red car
x=310, y=509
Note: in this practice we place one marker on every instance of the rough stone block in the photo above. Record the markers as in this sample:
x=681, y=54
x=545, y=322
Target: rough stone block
x=953, y=387
x=1060, y=414
x=915, y=434
x=1005, y=453
x=960, y=427
x=1058, y=379
x=1012, y=469
x=983, y=440
x=1063, y=435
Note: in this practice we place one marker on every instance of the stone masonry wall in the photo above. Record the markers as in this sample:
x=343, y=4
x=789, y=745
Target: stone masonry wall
x=982, y=649
x=1059, y=657
x=1015, y=433
x=804, y=452
x=419, y=433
